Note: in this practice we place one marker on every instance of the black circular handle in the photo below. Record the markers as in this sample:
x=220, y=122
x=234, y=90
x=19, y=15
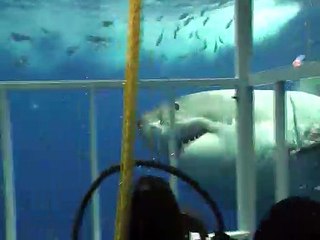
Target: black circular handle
x=149, y=164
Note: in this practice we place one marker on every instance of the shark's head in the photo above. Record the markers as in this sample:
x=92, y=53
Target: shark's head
x=195, y=118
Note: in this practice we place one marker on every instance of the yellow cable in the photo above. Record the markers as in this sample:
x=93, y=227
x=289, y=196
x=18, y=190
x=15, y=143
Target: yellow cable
x=128, y=126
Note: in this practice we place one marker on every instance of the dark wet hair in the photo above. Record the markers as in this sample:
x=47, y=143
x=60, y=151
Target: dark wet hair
x=155, y=214
x=295, y=218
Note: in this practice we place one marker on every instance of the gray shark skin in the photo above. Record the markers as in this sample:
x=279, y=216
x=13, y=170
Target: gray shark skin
x=206, y=142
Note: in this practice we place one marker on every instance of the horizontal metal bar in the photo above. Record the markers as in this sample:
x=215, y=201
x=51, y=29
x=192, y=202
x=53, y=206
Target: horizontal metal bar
x=284, y=73
x=101, y=84
x=271, y=76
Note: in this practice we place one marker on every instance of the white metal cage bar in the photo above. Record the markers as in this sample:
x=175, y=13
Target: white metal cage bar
x=172, y=142
x=96, y=226
x=8, y=168
x=245, y=162
x=6, y=143
x=116, y=83
x=243, y=81
x=281, y=153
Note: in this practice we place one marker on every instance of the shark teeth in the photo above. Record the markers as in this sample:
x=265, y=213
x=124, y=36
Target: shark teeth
x=190, y=139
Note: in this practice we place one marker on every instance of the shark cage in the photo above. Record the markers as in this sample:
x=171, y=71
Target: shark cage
x=243, y=82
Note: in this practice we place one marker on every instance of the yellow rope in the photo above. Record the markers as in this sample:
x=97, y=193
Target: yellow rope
x=128, y=133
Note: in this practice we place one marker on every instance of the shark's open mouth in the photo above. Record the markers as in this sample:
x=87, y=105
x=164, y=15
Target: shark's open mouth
x=188, y=136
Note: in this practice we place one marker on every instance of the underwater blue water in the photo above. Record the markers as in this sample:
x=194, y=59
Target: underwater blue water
x=51, y=128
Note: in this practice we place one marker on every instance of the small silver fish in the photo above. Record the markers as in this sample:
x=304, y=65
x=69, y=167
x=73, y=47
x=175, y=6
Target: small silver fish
x=183, y=56
x=18, y=37
x=71, y=50
x=45, y=31
x=175, y=33
x=215, y=47
x=107, y=23
x=220, y=40
x=187, y=21
x=203, y=11
x=229, y=23
x=160, y=38
x=205, y=21
x=205, y=45
x=159, y=18
x=197, y=35
x=183, y=16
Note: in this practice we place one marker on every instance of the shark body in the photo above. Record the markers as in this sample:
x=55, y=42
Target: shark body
x=206, y=144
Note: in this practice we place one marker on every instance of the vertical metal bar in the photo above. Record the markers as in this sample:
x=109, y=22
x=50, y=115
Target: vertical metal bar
x=246, y=177
x=8, y=168
x=96, y=226
x=172, y=143
x=282, y=156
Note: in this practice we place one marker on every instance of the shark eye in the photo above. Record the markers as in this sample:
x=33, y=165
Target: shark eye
x=176, y=106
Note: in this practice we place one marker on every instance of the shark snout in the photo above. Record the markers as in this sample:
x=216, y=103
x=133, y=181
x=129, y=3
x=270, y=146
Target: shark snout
x=149, y=129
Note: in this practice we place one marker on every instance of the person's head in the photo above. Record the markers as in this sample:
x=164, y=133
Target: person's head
x=295, y=218
x=155, y=213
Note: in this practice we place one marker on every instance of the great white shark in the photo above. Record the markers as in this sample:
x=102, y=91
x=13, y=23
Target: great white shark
x=206, y=141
